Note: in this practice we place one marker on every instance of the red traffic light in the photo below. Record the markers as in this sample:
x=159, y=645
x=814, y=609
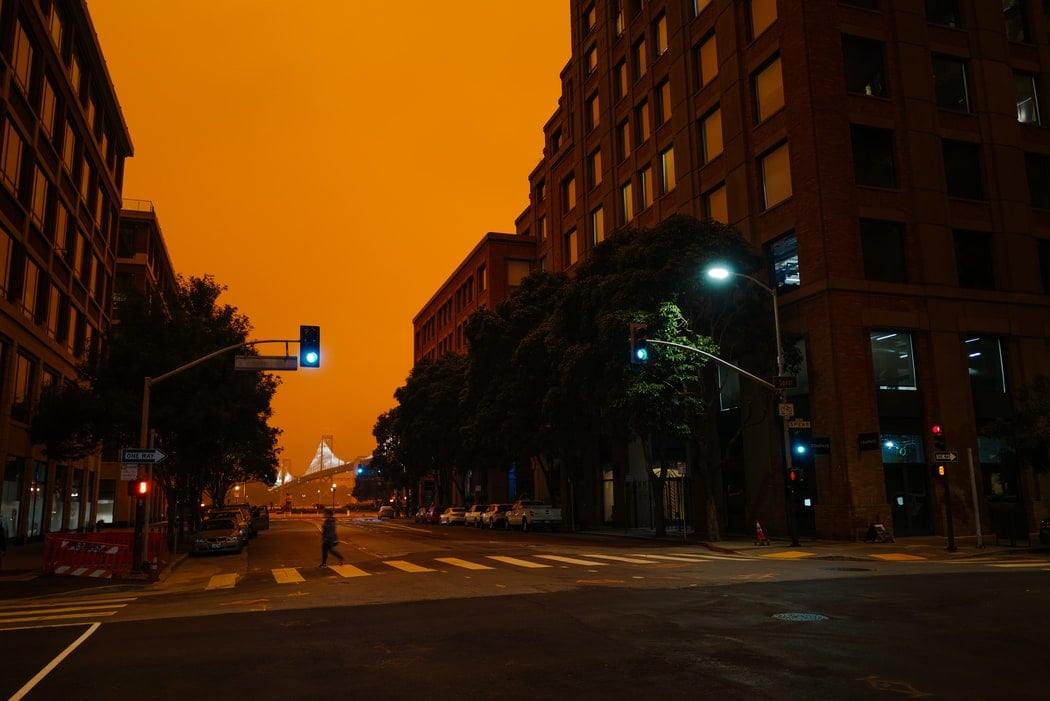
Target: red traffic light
x=792, y=476
x=138, y=488
x=937, y=430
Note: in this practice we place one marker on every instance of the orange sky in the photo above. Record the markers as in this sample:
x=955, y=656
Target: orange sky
x=331, y=163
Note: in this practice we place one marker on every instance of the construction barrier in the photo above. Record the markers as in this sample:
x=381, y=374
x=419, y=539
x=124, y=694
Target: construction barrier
x=102, y=555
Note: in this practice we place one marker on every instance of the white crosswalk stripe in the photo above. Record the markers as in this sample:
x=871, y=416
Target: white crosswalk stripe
x=32, y=615
x=573, y=561
x=465, y=564
x=517, y=562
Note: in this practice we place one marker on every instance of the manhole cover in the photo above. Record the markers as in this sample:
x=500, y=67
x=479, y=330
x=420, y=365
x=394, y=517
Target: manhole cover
x=799, y=617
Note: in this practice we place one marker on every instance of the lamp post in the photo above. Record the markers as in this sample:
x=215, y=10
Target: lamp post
x=333, y=494
x=720, y=273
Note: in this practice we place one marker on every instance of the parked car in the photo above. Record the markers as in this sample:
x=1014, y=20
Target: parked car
x=473, y=515
x=237, y=517
x=218, y=535
x=385, y=511
x=529, y=514
x=434, y=514
x=494, y=515
x=1044, y=531
x=453, y=516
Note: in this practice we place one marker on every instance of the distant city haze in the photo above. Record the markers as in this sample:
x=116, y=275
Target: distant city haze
x=332, y=164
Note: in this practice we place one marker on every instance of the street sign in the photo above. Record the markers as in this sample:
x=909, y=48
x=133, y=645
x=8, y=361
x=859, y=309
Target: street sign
x=786, y=410
x=785, y=382
x=265, y=362
x=947, y=456
x=798, y=423
x=820, y=445
x=143, y=455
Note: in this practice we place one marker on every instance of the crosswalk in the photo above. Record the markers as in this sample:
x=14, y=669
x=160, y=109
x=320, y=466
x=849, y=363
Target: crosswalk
x=61, y=611
x=479, y=563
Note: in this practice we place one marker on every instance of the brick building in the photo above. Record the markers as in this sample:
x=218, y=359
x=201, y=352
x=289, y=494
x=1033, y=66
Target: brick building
x=890, y=161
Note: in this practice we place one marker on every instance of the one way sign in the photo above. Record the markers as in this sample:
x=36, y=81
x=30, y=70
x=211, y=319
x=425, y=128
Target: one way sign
x=151, y=456
x=947, y=456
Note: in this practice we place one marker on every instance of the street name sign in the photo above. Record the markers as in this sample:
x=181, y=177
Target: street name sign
x=947, y=456
x=265, y=362
x=785, y=382
x=142, y=455
x=786, y=410
x=798, y=423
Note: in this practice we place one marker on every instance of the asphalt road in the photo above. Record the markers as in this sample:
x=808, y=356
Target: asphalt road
x=604, y=619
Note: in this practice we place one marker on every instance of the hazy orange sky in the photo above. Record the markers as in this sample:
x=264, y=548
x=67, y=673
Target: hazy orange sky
x=331, y=163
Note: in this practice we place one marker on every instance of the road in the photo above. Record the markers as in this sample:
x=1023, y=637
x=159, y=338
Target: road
x=448, y=612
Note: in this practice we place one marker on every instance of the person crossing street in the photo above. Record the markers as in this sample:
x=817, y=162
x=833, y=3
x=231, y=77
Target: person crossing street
x=329, y=539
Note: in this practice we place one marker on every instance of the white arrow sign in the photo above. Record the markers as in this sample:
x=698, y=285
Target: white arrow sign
x=151, y=455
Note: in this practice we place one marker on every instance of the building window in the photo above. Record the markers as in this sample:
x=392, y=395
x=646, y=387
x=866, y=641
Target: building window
x=762, y=14
x=943, y=12
x=962, y=169
x=667, y=176
x=622, y=84
x=69, y=143
x=1038, y=167
x=568, y=193
x=707, y=61
x=985, y=359
x=699, y=5
x=641, y=121
x=1027, y=99
x=769, y=89
x=783, y=259
x=863, y=63
x=7, y=247
x=660, y=35
x=775, y=167
x=716, y=205
x=597, y=226
x=593, y=112
x=72, y=328
x=663, y=102
x=640, y=59
x=572, y=249
x=22, y=57
x=54, y=305
x=973, y=259
x=30, y=288
x=883, y=245
x=893, y=360
x=592, y=59
x=645, y=181
x=873, y=164
x=555, y=140
x=1016, y=21
x=949, y=83
x=711, y=134
x=594, y=168
x=541, y=191
x=623, y=139
x=39, y=198
x=25, y=369
x=626, y=202
x=11, y=166
x=483, y=278
x=48, y=104
x=590, y=18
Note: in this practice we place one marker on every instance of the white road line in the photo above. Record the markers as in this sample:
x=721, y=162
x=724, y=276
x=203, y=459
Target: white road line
x=222, y=581
x=348, y=571
x=573, y=560
x=617, y=558
x=406, y=566
x=1018, y=565
x=20, y=694
x=287, y=575
x=676, y=558
x=465, y=564
x=515, y=561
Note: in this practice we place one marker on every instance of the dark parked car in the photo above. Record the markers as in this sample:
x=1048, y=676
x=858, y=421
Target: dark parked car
x=434, y=514
x=218, y=535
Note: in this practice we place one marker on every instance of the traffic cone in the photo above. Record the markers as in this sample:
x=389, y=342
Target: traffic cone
x=760, y=535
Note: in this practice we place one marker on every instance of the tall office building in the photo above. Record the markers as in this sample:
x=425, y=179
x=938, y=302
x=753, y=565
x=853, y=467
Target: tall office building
x=889, y=160
x=64, y=141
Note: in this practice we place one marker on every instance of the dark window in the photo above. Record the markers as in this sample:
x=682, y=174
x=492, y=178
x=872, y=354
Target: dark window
x=973, y=259
x=863, y=63
x=883, y=246
x=1038, y=167
x=949, y=83
x=985, y=359
x=1044, y=264
x=944, y=12
x=783, y=257
x=873, y=156
x=1015, y=17
x=962, y=169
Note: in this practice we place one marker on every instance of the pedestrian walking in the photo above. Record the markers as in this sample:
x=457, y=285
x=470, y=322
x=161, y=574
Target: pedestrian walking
x=329, y=539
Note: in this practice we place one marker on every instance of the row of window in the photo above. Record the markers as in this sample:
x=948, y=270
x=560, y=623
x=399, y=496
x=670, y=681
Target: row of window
x=1018, y=19
x=27, y=372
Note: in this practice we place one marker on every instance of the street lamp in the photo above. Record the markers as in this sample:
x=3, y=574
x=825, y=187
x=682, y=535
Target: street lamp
x=333, y=496
x=721, y=273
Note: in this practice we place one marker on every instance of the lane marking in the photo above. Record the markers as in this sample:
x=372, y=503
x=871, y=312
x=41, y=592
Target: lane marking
x=675, y=558
x=287, y=575
x=348, y=571
x=1015, y=565
x=456, y=562
x=618, y=558
x=406, y=566
x=573, y=560
x=516, y=561
x=789, y=555
x=222, y=581
x=31, y=619
x=897, y=557
x=20, y=694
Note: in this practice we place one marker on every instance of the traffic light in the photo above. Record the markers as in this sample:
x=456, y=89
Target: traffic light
x=639, y=344
x=940, y=443
x=801, y=447
x=795, y=476
x=138, y=488
x=938, y=471
x=310, y=346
